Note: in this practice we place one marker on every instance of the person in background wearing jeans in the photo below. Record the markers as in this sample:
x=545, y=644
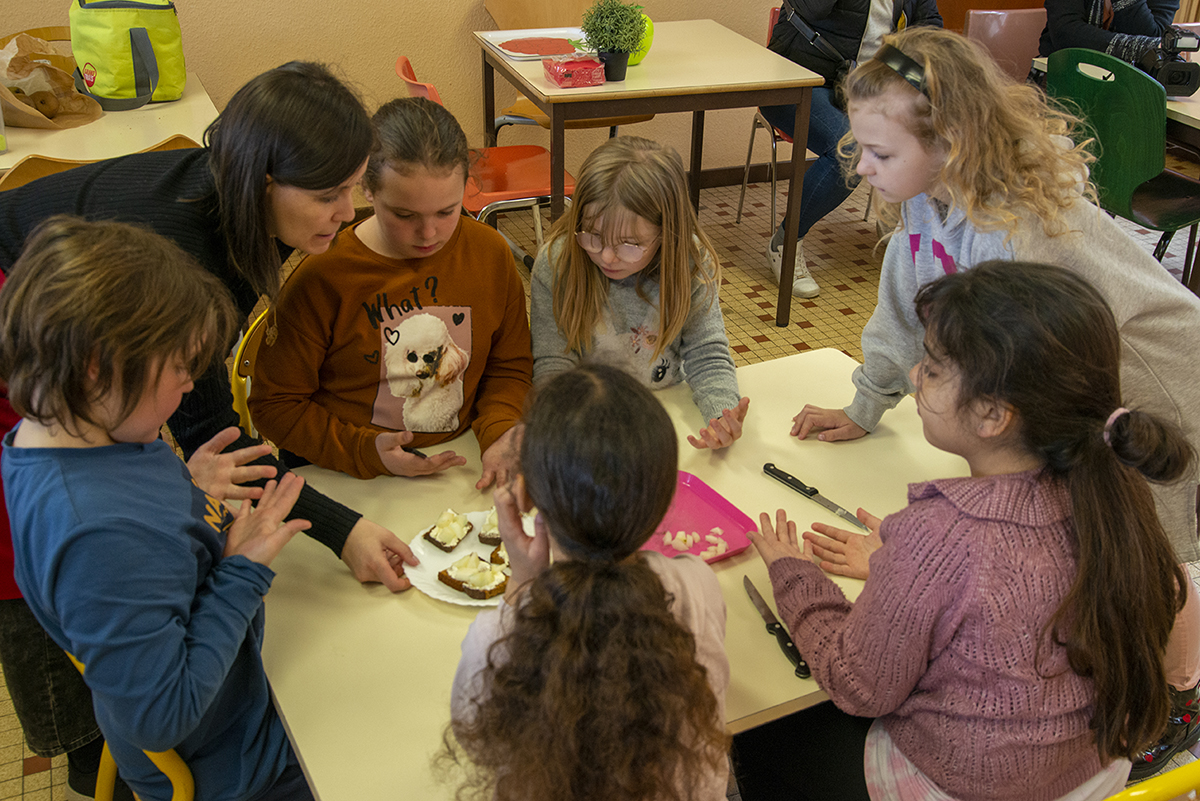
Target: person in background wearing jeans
x=854, y=28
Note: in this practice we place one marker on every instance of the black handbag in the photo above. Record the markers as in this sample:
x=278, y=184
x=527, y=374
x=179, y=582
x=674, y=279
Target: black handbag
x=834, y=78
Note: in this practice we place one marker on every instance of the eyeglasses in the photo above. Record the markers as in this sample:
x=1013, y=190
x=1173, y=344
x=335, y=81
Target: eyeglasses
x=626, y=251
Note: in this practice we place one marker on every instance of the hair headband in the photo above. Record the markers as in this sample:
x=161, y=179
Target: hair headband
x=902, y=65
x=1112, y=418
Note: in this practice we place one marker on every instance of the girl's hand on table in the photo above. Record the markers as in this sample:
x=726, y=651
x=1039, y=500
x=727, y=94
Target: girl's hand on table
x=375, y=554
x=222, y=475
x=844, y=552
x=259, y=531
x=834, y=424
x=400, y=462
x=501, y=459
x=527, y=556
x=778, y=541
x=722, y=431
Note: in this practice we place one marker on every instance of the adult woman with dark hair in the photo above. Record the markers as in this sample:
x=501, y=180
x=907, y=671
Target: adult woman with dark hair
x=277, y=175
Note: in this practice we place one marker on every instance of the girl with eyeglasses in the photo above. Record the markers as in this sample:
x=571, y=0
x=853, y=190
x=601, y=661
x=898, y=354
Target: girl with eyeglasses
x=627, y=278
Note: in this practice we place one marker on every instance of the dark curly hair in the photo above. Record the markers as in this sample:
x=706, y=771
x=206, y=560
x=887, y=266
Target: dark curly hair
x=595, y=692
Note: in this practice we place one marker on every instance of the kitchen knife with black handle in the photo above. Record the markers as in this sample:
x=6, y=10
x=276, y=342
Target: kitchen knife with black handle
x=775, y=627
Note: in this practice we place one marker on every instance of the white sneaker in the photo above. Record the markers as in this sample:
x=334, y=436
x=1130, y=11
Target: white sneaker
x=803, y=285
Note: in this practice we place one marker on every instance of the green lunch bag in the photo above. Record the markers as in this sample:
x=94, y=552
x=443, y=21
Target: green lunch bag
x=128, y=52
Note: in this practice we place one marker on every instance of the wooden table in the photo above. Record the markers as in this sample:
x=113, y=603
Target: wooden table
x=362, y=677
x=694, y=65
x=117, y=133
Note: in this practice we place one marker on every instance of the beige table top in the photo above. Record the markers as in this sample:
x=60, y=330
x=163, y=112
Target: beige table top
x=362, y=678
x=687, y=57
x=117, y=133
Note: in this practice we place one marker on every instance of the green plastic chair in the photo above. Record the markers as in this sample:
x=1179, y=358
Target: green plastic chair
x=1127, y=110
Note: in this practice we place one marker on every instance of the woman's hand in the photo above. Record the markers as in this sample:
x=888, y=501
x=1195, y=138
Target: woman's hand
x=527, y=556
x=259, y=532
x=502, y=458
x=834, y=424
x=722, y=431
x=222, y=475
x=844, y=552
x=778, y=541
x=375, y=554
x=400, y=462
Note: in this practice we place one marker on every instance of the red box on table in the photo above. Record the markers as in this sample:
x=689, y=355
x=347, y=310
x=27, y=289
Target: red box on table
x=573, y=71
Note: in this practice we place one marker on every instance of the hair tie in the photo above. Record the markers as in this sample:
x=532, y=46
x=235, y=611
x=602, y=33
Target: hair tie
x=905, y=67
x=1112, y=418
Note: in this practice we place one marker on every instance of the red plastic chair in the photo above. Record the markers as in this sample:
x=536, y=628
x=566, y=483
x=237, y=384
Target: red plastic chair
x=503, y=178
x=777, y=136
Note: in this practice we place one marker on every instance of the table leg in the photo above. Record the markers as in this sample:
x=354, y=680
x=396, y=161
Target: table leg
x=489, y=102
x=557, y=161
x=697, y=162
x=791, y=224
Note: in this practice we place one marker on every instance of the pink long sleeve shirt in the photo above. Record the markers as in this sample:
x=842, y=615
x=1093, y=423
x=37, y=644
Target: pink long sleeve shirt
x=943, y=642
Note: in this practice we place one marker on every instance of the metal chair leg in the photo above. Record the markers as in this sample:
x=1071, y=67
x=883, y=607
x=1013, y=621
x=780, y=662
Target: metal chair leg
x=746, y=172
x=774, y=176
x=537, y=224
x=1164, y=242
x=1189, y=263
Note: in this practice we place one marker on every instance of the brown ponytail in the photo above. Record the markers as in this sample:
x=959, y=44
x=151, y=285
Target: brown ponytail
x=1044, y=341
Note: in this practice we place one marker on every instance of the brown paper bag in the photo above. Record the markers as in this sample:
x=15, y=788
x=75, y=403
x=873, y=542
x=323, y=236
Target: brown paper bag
x=36, y=65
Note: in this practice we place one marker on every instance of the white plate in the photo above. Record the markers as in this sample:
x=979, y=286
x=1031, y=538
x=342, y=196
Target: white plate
x=497, y=38
x=434, y=560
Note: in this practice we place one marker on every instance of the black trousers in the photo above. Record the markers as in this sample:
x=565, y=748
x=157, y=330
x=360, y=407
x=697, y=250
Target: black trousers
x=813, y=755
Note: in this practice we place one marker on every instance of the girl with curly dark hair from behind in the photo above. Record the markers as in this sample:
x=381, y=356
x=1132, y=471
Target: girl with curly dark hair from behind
x=602, y=675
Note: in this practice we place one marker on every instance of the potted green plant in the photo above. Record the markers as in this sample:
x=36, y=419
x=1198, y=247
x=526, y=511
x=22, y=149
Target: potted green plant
x=614, y=30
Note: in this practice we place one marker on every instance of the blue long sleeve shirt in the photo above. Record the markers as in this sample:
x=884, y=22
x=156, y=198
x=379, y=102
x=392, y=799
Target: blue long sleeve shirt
x=119, y=556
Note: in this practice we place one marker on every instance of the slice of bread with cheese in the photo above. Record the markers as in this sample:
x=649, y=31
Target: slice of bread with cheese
x=474, y=577
x=448, y=531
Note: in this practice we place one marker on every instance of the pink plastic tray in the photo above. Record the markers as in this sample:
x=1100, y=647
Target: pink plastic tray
x=698, y=507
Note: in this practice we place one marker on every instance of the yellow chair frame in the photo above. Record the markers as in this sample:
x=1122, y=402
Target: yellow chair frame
x=243, y=368
x=183, y=788
x=1164, y=787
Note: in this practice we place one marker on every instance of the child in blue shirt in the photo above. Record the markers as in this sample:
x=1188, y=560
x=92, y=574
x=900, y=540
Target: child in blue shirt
x=127, y=556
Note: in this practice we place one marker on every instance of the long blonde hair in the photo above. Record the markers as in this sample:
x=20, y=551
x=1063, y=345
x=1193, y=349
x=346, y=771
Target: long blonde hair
x=627, y=176
x=1003, y=160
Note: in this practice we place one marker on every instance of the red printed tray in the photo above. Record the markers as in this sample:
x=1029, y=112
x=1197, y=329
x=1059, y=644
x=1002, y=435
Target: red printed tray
x=700, y=508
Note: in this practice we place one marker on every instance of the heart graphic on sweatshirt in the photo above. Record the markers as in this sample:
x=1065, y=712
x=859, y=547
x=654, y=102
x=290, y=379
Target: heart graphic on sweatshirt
x=392, y=336
x=372, y=358
x=458, y=318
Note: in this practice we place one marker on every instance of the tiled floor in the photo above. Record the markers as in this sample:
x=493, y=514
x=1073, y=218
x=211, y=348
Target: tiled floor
x=842, y=254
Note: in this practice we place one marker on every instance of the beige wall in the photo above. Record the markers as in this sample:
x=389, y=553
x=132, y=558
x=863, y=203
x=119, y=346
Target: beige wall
x=226, y=42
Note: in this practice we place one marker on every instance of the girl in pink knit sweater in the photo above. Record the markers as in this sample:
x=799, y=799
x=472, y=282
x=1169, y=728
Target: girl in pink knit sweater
x=1009, y=639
